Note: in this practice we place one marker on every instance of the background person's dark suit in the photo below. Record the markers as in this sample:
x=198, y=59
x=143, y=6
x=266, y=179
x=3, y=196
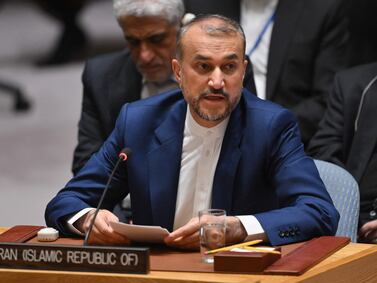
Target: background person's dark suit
x=363, y=30
x=338, y=142
x=308, y=46
x=109, y=81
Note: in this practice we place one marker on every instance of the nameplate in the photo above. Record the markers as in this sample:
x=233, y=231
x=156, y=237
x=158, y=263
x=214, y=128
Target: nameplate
x=74, y=258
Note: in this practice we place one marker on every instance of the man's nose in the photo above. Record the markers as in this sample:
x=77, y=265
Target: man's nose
x=216, y=79
x=146, y=54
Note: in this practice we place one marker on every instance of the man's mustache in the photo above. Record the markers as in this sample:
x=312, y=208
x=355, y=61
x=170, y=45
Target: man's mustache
x=214, y=91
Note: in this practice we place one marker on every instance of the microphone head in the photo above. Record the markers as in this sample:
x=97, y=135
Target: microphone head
x=125, y=153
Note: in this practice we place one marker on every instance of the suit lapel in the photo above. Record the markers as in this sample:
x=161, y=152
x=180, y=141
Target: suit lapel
x=365, y=138
x=164, y=176
x=223, y=184
x=287, y=14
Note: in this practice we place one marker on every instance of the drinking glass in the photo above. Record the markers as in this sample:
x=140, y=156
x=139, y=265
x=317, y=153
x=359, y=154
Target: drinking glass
x=212, y=231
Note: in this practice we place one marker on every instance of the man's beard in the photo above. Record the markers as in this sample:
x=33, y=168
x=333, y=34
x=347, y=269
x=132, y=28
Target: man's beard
x=195, y=103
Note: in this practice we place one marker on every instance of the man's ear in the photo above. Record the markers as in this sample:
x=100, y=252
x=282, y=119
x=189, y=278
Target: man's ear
x=176, y=66
x=245, y=62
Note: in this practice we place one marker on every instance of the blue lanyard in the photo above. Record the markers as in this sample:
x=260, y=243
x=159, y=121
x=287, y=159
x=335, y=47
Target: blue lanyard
x=270, y=20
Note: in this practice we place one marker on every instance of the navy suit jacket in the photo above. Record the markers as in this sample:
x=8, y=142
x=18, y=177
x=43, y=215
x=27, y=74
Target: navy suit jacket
x=262, y=170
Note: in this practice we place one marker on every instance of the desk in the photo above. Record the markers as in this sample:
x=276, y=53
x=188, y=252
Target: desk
x=353, y=263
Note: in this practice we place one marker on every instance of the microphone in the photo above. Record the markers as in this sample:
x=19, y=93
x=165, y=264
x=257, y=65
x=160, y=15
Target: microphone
x=123, y=156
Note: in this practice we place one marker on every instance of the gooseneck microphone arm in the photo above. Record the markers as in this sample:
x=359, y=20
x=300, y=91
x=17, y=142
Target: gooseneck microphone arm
x=123, y=156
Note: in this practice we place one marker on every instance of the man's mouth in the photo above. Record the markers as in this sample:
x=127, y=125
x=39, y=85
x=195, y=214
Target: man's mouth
x=214, y=96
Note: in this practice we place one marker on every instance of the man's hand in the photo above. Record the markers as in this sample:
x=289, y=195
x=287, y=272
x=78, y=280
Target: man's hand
x=102, y=233
x=368, y=232
x=235, y=232
x=187, y=237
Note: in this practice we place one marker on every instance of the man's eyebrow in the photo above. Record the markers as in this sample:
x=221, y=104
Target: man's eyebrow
x=201, y=57
x=232, y=56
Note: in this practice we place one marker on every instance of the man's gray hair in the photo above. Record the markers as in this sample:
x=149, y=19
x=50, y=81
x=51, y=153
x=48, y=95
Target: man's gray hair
x=171, y=10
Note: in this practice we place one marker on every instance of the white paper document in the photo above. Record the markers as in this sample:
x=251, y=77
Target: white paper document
x=140, y=233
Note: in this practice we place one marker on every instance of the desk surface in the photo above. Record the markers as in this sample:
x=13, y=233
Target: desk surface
x=353, y=263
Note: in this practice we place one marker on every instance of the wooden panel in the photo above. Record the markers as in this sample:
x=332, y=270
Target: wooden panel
x=354, y=263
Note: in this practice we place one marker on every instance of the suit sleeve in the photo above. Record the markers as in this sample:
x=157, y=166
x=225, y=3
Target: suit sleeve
x=86, y=188
x=90, y=128
x=304, y=207
x=327, y=144
x=331, y=57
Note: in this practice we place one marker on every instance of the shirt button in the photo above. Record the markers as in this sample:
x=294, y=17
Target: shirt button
x=207, y=152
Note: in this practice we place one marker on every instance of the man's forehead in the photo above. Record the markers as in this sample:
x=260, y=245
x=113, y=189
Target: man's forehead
x=205, y=57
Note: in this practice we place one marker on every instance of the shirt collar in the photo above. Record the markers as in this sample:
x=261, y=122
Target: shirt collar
x=169, y=80
x=152, y=88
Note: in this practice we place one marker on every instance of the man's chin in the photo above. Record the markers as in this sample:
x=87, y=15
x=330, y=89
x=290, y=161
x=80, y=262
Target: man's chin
x=213, y=116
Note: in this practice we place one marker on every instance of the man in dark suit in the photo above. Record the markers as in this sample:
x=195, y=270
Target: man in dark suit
x=212, y=144
x=362, y=30
x=307, y=46
x=144, y=69
x=347, y=136
x=111, y=80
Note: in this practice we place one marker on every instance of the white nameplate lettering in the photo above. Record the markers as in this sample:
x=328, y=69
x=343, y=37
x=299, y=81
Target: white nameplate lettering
x=74, y=258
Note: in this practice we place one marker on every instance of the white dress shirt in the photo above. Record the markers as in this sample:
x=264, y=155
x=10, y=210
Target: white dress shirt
x=200, y=153
x=254, y=16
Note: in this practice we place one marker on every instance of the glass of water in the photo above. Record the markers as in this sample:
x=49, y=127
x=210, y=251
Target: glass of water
x=212, y=231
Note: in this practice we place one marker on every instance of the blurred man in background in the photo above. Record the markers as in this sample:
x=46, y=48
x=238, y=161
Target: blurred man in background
x=347, y=136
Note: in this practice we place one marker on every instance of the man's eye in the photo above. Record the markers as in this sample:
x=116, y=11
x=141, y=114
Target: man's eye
x=229, y=67
x=132, y=41
x=156, y=39
x=203, y=67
